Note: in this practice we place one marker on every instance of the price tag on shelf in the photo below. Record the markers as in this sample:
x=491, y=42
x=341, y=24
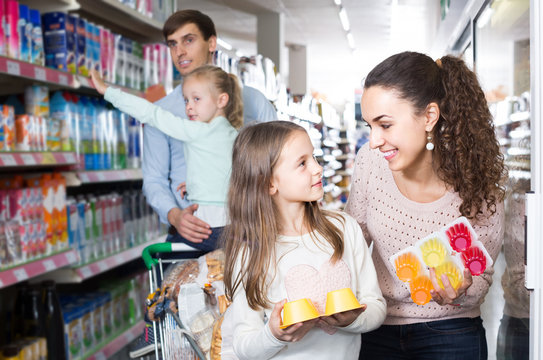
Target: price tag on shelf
x=100, y=356
x=71, y=257
x=69, y=157
x=101, y=176
x=86, y=272
x=48, y=158
x=84, y=177
x=13, y=68
x=102, y=266
x=7, y=160
x=28, y=159
x=63, y=80
x=49, y=265
x=39, y=74
x=20, y=274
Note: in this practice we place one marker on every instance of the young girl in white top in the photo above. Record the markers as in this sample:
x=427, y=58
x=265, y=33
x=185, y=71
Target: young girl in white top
x=214, y=113
x=280, y=245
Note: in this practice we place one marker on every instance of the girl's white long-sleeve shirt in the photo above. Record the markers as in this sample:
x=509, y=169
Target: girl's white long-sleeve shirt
x=303, y=270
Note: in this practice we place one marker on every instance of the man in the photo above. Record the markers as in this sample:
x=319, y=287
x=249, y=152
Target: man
x=192, y=39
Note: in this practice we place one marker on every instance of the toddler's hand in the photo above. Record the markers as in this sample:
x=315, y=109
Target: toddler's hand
x=182, y=188
x=342, y=319
x=292, y=333
x=98, y=82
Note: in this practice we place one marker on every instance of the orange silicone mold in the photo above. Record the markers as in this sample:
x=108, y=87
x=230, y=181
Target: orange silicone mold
x=407, y=266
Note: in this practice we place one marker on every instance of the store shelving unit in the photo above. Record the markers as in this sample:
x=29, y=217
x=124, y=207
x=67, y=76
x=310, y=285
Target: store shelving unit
x=36, y=268
x=35, y=158
x=78, y=274
x=15, y=76
x=116, y=342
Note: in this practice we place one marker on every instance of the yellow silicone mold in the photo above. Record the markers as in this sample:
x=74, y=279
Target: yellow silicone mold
x=453, y=273
x=433, y=252
x=407, y=266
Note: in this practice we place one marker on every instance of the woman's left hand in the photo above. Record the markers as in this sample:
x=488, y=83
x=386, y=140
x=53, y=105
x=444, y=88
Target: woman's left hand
x=448, y=295
x=343, y=318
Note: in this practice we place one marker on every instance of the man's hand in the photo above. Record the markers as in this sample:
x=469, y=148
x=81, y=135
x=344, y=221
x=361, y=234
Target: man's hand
x=98, y=82
x=188, y=225
x=182, y=188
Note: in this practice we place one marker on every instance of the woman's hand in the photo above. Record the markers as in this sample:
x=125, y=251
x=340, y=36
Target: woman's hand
x=292, y=333
x=98, y=82
x=342, y=319
x=448, y=295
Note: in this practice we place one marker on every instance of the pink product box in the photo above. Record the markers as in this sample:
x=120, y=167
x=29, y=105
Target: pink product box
x=12, y=28
x=18, y=204
x=104, y=53
x=3, y=50
x=4, y=206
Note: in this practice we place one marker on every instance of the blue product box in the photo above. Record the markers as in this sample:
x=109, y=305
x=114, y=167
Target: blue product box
x=25, y=28
x=54, y=33
x=36, y=39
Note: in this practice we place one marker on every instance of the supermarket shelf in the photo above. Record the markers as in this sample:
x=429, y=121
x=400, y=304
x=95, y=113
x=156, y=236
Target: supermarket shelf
x=49, y=76
x=11, y=159
x=121, y=18
x=81, y=273
x=117, y=342
x=38, y=267
x=91, y=177
x=30, y=71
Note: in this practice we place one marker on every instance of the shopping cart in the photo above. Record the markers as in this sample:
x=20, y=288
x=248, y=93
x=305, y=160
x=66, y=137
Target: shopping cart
x=175, y=339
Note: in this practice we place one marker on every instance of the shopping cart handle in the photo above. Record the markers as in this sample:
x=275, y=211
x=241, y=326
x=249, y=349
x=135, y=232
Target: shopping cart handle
x=147, y=253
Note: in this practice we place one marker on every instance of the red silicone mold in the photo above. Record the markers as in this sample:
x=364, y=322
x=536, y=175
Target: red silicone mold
x=459, y=237
x=474, y=259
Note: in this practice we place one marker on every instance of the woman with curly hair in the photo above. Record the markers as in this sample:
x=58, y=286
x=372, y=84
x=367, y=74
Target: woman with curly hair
x=432, y=157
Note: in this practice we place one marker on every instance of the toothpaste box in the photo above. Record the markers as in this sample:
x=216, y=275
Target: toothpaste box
x=80, y=53
x=71, y=43
x=54, y=36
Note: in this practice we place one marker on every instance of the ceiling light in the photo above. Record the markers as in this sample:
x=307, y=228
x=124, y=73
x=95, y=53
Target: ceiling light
x=344, y=20
x=350, y=40
x=485, y=17
x=337, y=2
x=224, y=44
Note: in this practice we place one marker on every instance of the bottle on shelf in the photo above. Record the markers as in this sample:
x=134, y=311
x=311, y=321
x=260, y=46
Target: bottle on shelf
x=53, y=321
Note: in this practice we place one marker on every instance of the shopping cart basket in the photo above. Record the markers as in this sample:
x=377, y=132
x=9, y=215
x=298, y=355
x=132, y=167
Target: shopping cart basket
x=176, y=341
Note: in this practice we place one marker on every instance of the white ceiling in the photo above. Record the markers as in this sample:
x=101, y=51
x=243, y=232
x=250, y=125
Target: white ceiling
x=379, y=27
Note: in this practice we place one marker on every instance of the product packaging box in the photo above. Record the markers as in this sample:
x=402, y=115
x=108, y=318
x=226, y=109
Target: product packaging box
x=54, y=33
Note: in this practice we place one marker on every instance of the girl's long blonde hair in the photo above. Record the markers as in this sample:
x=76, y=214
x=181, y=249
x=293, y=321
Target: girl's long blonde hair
x=227, y=83
x=254, y=228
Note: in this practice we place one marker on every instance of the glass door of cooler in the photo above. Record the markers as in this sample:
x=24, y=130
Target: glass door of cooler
x=501, y=59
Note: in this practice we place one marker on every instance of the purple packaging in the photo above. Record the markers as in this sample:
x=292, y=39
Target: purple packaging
x=54, y=36
x=96, y=62
x=80, y=52
x=25, y=28
x=71, y=43
x=12, y=30
x=104, y=52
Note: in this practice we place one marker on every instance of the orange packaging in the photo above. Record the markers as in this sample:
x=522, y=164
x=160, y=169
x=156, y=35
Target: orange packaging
x=46, y=184
x=23, y=132
x=59, y=209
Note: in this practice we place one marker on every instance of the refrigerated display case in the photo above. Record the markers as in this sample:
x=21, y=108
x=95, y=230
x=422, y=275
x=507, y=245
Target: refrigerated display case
x=501, y=40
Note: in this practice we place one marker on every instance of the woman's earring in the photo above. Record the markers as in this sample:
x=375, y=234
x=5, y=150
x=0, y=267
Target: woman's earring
x=429, y=144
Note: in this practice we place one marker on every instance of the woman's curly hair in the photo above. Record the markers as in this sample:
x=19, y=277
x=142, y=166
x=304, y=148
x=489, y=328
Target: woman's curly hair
x=467, y=154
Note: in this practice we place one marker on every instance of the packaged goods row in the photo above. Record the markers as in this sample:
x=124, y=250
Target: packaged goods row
x=71, y=43
x=101, y=225
x=102, y=137
x=47, y=323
